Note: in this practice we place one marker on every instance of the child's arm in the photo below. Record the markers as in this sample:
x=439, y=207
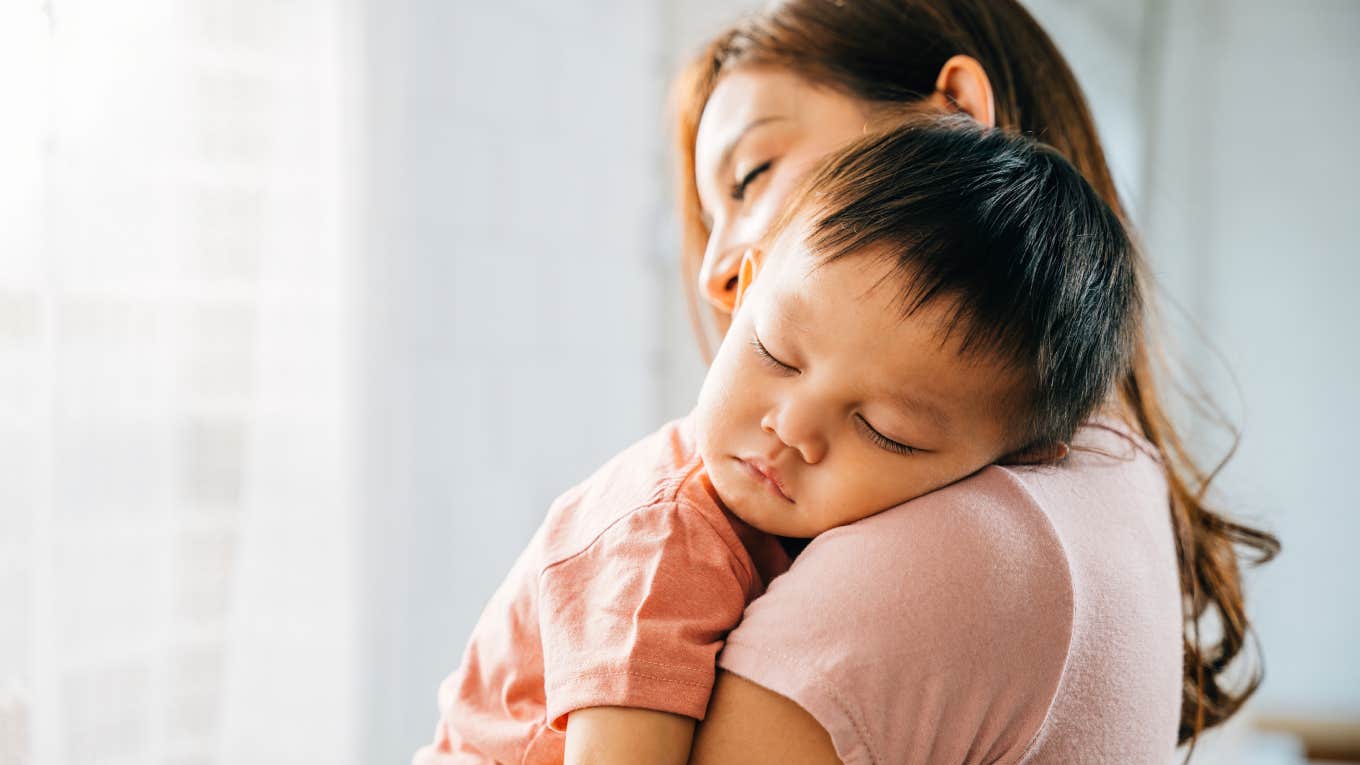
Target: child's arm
x=625, y=736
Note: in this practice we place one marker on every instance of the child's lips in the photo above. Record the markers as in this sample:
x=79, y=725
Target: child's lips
x=767, y=475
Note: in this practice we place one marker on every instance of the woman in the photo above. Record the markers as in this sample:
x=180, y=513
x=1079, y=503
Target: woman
x=1035, y=614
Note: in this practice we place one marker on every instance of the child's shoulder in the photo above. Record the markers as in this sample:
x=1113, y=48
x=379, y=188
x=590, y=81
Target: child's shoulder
x=658, y=480
x=653, y=469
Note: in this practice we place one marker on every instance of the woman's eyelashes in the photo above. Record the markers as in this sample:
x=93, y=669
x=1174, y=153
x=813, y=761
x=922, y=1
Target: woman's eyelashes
x=738, y=190
x=882, y=441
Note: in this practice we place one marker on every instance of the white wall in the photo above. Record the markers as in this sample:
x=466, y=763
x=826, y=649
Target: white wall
x=510, y=329
x=1252, y=222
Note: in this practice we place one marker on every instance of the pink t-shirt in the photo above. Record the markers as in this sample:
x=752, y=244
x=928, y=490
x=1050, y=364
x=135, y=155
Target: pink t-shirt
x=622, y=598
x=1024, y=615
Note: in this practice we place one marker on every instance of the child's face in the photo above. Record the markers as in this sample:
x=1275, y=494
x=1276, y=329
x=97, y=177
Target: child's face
x=797, y=450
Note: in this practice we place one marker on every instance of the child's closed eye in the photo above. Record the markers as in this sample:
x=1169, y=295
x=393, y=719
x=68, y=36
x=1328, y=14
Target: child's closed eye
x=882, y=441
x=769, y=358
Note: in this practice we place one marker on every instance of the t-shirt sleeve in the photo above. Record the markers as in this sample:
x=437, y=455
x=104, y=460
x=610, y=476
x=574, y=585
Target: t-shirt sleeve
x=935, y=632
x=636, y=619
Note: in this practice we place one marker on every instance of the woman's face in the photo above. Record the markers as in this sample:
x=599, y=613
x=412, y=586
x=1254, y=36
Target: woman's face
x=762, y=128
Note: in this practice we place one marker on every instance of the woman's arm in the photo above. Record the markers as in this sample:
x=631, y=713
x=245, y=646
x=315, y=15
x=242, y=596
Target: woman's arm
x=747, y=723
x=624, y=736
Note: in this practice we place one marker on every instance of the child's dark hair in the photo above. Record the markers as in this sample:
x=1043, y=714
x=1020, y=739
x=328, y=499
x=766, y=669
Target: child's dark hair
x=1035, y=266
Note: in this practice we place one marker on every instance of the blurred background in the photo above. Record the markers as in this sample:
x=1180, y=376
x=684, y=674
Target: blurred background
x=308, y=309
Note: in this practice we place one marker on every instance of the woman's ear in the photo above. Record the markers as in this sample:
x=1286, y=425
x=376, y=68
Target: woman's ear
x=1037, y=454
x=963, y=86
x=746, y=274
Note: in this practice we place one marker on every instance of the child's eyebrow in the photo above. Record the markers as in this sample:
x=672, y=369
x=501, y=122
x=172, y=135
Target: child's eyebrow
x=926, y=407
x=791, y=311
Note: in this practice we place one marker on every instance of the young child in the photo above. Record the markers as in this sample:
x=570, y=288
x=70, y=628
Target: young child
x=937, y=299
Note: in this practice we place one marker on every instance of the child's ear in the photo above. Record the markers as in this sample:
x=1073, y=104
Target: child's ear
x=746, y=274
x=1037, y=454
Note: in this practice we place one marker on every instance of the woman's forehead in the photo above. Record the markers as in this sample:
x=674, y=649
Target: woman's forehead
x=747, y=90
x=741, y=98
x=811, y=113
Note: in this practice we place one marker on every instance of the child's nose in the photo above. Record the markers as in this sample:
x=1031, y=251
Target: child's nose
x=798, y=430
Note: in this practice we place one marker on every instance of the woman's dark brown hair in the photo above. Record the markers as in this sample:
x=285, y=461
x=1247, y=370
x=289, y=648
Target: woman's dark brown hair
x=888, y=53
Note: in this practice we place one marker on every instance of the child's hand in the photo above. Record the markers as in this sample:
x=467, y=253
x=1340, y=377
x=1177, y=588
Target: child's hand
x=625, y=736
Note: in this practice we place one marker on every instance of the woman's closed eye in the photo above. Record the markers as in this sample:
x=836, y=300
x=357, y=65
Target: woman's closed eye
x=882, y=441
x=739, y=189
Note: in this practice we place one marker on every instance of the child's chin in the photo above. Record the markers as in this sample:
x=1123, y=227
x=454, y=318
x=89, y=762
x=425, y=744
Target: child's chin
x=780, y=522
x=754, y=505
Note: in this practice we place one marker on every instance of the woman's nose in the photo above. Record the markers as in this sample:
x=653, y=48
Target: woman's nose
x=718, y=274
x=797, y=429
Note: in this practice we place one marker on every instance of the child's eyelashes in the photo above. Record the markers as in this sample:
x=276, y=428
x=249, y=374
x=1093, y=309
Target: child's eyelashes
x=738, y=190
x=768, y=357
x=881, y=440
x=875, y=437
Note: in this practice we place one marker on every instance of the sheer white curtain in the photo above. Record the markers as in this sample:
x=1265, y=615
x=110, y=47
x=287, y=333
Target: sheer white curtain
x=176, y=570
x=24, y=43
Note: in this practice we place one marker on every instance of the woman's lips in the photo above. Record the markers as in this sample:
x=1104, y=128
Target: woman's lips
x=767, y=475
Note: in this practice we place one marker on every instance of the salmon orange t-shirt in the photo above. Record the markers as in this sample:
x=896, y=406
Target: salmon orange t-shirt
x=623, y=598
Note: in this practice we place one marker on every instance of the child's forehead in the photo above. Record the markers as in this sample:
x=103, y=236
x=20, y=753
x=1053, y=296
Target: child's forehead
x=851, y=300
x=843, y=318
x=867, y=299
x=805, y=281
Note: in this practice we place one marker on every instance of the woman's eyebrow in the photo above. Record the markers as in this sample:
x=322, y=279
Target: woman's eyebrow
x=725, y=158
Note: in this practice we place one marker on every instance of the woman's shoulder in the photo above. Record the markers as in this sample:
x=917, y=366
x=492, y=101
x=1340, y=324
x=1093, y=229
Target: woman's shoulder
x=1036, y=522
x=978, y=561
x=1108, y=460
x=965, y=535
x=956, y=606
x=1010, y=552
x=964, y=604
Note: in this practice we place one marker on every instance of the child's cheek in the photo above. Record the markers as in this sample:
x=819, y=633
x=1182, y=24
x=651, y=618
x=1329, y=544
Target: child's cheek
x=716, y=399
